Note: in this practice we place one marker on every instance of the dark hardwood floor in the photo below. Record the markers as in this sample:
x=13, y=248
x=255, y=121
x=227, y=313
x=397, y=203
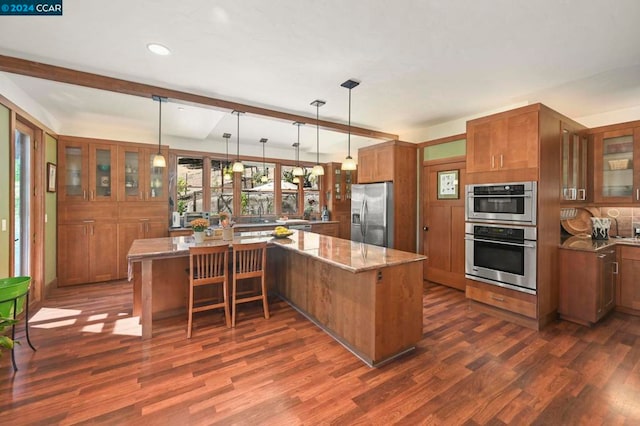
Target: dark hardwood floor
x=469, y=368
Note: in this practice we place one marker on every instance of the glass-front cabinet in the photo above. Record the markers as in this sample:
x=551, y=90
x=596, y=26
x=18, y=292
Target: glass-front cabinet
x=138, y=179
x=575, y=166
x=86, y=171
x=616, y=166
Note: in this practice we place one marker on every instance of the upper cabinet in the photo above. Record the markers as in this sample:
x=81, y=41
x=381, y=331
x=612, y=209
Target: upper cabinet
x=138, y=179
x=86, y=171
x=374, y=165
x=617, y=165
x=576, y=170
x=338, y=196
x=396, y=162
x=502, y=142
x=96, y=170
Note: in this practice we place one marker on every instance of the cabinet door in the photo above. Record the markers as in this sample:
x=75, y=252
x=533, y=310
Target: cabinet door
x=615, y=168
x=102, y=173
x=156, y=229
x=73, y=254
x=376, y=164
x=130, y=172
x=479, y=155
x=608, y=271
x=575, y=184
x=629, y=271
x=73, y=175
x=507, y=143
x=103, y=251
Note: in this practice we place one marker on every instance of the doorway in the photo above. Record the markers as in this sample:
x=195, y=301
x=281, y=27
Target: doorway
x=22, y=199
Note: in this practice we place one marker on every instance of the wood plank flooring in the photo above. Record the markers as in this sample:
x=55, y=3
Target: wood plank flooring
x=469, y=368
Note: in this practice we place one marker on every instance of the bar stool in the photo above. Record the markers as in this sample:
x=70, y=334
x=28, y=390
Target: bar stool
x=208, y=267
x=249, y=261
x=14, y=298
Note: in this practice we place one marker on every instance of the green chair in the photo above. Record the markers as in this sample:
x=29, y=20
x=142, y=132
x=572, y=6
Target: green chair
x=14, y=298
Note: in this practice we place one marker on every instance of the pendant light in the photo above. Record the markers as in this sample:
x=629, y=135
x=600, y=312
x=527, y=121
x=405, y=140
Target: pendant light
x=238, y=167
x=225, y=173
x=318, y=170
x=295, y=179
x=264, y=178
x=158, y=159
x=349, y=163
x=297, y=171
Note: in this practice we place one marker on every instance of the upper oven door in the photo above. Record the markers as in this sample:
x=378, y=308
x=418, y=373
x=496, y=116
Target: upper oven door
x=483, y=205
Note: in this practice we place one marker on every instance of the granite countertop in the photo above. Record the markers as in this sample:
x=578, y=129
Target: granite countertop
x=345, y=254
x=585, y=243
x=239, y=226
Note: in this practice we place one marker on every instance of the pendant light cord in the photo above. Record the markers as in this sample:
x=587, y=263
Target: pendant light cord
x=317, y=133
x=238, y=140
x=349, y=127
x=298, y=149
x=159, y=124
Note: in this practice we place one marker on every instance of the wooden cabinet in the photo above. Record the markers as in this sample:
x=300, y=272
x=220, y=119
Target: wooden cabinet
x=86, y=171
x=519, y=307
x=374, y=164
x=617, y=165
x=587, y=284
x=576, y=167
x=86, y=252
x=507, y=141
x=137, y=221
x=326, y=228
x=628, y=295
x=396, y=162
x=338, y=196
x=138, y=180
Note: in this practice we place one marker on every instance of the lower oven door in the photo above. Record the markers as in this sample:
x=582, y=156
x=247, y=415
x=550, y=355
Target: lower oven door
x=506, y=264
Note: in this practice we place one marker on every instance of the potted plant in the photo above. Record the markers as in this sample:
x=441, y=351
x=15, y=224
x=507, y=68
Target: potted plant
x=198, y=226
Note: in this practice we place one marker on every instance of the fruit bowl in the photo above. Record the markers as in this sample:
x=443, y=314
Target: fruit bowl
x=282, y=235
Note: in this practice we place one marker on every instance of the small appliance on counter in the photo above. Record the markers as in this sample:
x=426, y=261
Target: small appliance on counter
x=176, y=220
x=189, y=216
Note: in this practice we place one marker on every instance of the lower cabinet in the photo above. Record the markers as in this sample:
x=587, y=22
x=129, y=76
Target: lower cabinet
x=587, y=284
x=511, y=303
x=130, y=231
x=330, y=229
x=628, y=296
x=87, y=252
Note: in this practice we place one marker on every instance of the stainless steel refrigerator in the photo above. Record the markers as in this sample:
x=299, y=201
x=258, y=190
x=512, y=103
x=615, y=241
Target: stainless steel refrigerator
x=372, y=213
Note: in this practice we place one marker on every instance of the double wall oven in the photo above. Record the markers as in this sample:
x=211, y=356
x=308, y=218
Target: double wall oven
x=500, y=234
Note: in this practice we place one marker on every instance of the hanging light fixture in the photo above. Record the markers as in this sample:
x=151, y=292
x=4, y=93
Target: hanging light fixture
x=265, y=172
x=318, y=170
x=297, y=171
x=238, y=166
x=226, y=173
x=295, y=179
x=349, y=163
x=158, y=159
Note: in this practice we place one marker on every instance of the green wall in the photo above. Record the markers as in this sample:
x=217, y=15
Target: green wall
x=5, y=162
x=445, y=150
x=50, y=235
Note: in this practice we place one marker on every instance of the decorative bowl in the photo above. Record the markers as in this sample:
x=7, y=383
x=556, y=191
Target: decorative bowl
x=274, y=235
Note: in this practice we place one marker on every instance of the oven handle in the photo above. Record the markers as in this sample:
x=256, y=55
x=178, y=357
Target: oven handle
x=471, y=238
x=500, y=196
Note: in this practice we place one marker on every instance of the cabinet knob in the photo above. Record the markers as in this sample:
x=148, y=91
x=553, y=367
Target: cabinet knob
x=425, y=228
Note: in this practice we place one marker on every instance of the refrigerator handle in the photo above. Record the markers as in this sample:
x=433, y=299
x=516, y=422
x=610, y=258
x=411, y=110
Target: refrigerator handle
x=363, y=224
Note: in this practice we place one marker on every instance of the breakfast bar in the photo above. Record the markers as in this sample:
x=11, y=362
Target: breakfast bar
x=368, y=298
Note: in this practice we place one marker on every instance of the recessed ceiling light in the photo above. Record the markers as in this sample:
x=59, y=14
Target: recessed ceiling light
x=158, y=49
x=180, y=109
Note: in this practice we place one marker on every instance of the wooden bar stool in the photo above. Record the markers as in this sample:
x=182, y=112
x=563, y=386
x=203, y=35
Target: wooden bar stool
x=249, y=261
x=208, y=267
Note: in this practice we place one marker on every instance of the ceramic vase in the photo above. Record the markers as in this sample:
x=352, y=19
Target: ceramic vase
x=198, y=236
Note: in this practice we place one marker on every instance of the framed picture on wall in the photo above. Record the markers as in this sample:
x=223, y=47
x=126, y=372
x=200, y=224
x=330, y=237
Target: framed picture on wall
x=448, y=185
x=51, y=177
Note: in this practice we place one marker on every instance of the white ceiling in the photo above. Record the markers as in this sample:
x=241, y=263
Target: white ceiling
x=421, y=63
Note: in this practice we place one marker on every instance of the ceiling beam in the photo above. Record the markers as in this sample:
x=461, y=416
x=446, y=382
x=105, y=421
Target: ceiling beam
x=66, y=75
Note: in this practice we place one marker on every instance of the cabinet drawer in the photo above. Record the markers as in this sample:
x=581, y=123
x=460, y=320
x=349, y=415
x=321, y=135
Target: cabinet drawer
x=502, y=301
x=632, y=253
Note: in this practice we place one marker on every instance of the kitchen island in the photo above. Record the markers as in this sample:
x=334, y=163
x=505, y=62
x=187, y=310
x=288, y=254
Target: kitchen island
x=368, y=298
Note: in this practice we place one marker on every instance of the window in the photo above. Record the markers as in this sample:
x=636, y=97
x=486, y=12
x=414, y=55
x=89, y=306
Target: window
x=289, y=191
x=257, y=192
x=189, y=184
x=221, y=187
x=311, y=196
